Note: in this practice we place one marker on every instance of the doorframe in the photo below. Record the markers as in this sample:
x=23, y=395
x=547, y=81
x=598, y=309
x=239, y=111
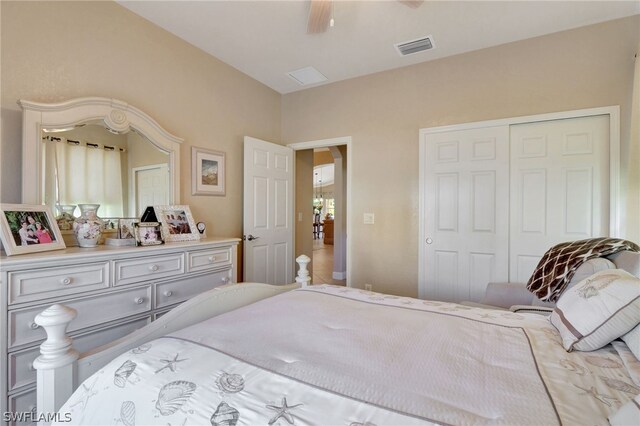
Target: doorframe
x=325, y=143
x=614, y=167
x=133, y=184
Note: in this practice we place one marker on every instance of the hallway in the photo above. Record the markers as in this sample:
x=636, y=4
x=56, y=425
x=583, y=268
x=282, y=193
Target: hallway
x=323, y=264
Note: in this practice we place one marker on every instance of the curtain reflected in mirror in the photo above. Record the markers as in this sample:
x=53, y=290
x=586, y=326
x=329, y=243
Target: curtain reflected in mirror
x=88, y=164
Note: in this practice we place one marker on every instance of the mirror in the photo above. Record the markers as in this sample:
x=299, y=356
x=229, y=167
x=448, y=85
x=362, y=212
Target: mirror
x=97, y=150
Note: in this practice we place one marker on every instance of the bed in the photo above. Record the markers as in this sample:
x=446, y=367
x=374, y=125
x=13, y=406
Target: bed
x=340, y=356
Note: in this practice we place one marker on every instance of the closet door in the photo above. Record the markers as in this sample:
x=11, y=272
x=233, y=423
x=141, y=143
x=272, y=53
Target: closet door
x=466, y=195
x=559, y=187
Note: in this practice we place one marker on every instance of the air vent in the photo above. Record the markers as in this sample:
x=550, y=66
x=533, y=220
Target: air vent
x=414, y=46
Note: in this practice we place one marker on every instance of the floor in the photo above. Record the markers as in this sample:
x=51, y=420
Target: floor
x=323, y=264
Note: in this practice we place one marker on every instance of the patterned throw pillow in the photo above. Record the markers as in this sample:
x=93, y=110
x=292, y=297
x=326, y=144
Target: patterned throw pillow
x=597, y=310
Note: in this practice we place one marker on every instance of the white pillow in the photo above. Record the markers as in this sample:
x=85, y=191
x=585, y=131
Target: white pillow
x=628, y=414
x=632, y=339
x=597, y=310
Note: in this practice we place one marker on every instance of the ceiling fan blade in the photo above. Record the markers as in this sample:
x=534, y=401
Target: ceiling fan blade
x=413, y=4
x=319, y=16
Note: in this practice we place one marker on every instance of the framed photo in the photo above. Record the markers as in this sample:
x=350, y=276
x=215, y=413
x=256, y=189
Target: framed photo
x=110, y=224
x=27, y=228
x=148, y=233
x=126, y=227
x=177, y=223
x=207, y=172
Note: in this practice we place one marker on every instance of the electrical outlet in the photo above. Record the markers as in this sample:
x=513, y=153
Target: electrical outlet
x=368, y=287
x=369, y=219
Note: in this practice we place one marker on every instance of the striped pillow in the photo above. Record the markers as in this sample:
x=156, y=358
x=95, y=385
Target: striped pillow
x=597, y=310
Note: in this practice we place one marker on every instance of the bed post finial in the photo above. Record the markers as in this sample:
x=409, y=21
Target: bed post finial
x=56, y=361
x=303, y=277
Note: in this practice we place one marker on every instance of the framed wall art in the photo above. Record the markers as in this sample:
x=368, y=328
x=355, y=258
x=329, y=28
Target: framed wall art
x=27, y=228
x=207, y=172
x=177, y=223
x=148, y=233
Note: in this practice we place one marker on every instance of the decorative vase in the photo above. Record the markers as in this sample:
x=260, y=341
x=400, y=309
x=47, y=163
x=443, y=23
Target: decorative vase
x=88, y=227
x=65, y=219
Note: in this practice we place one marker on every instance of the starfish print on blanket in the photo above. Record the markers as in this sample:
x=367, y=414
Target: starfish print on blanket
x=282, y=411
x=87, y=393
x=170, y=364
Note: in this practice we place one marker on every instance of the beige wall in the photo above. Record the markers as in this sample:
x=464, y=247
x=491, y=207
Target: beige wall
x=304, y=204
x=53, y=51
x=582, y=68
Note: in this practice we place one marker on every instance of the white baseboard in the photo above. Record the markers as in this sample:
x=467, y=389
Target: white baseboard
x=339, y=275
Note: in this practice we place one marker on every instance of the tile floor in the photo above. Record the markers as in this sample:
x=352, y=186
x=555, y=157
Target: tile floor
x=323, y=264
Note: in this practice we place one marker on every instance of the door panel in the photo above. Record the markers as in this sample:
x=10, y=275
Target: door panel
x=559, y=187
x=268, y=212
x=466, y=200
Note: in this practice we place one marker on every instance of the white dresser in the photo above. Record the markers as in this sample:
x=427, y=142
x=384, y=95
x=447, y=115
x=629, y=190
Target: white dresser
x=115, y=290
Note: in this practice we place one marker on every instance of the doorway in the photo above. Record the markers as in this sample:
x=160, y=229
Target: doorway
x=148, y=187
x=315, y=200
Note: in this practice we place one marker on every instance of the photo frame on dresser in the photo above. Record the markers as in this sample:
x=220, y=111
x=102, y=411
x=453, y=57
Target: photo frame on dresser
x=29, y=228
x=148, y=233
x=177, y=223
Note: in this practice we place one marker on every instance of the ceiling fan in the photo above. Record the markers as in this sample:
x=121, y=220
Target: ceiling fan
x=320, y=14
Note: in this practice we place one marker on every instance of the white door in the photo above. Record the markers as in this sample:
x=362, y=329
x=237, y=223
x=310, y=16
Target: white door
x=559, y=187
x=268, y=212
x=466, y=205
x=151, y=186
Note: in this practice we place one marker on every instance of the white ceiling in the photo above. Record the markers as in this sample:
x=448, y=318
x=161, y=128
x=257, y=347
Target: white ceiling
x=266, y=39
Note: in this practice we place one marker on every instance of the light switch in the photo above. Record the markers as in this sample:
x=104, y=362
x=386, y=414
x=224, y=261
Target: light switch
x=299, y=216
x=369, y=219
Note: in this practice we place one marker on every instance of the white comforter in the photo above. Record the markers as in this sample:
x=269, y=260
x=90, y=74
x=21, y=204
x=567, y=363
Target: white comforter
x=335, y=356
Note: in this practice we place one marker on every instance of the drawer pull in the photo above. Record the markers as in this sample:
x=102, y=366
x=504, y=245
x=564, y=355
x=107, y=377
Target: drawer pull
x=65, y=281
x=33, y=326
x=225, y=280
x=153, y=268
x=168, y=293
x=139, y=300
x=212, y=259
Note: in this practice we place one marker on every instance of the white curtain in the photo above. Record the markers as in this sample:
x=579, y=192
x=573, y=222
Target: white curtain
x=633, y=168
x=87, y=175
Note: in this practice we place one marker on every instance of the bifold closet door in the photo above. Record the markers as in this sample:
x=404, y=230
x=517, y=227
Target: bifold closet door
x=559, y=187
x=466, y=212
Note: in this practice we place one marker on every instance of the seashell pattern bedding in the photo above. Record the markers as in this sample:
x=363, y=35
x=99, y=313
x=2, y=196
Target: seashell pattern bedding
x=330, y=355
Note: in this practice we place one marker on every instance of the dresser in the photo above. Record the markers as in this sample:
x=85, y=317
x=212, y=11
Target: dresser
x=115, y=290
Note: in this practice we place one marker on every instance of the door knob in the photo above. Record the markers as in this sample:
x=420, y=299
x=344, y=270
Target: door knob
x=251, y=237
x=429, y=241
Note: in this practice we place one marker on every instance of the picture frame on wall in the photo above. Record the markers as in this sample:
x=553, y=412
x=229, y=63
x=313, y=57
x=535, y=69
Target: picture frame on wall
x=177, y=223
x=27, y=228
x=208, y=171
x=148, y=233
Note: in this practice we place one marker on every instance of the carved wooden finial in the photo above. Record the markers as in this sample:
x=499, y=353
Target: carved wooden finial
x=56, y=351
x=303, y=277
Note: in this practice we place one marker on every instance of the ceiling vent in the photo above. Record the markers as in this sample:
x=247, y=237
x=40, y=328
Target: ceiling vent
x=308, y=75
x=415, y=46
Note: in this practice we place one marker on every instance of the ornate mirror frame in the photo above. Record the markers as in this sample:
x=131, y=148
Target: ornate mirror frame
x=117, y=116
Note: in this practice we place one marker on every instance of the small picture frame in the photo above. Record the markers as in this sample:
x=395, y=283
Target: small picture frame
x=177, y=223
x=27, y=228
x=126, y=227
x=110, y=225
x=148, y=233
x=208, y=171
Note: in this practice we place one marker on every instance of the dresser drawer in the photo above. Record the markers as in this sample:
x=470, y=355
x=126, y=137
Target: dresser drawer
x=23, y=403
x=175, y=291
x=37, y=284
x=208, y=259
x=22, y=373
x=148, y=268
x=91, y=311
